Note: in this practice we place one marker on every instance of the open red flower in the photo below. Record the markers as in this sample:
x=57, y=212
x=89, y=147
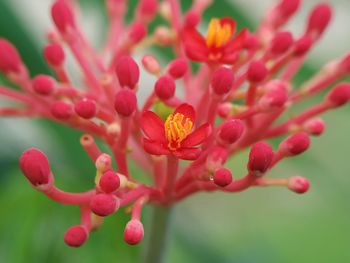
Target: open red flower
x=220, y=45
x=175, y=136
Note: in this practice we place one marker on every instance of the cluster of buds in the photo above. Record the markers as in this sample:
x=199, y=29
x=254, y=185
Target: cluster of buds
x=182, y=140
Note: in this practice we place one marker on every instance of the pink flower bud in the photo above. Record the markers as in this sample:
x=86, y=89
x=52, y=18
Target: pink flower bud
x=302, y=45
x=151, y=64
x=231, y=131
x=281, y=42
x=178, y=68
x=148, y=8
x=315, y=127
x=225, y=109
x=137, y=32
x=103, y=163
x=75, y=236
x=257, y=71
x=128, y=72
x=133, y=233
x=222, y=80
x=275, y=97
x=319, y=19
x=260, y=158
x=61, y=110
x=109, y=182
x=165, y=87
x=288, y=7
x=298, y=184
x=104, y=204
x=54, y=54
x=10, y=60
x=339, y=95
x=62, y=16
x=344, y=65
x=295, y=144
x=222, y=177
x=85, y=108
x=35, y=166
x=251, y=42
x=43, y=84
x=192, y=19
x=125, y=102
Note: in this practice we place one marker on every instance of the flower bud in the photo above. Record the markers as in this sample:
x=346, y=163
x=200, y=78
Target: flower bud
x=275, y=97
x=133, y=233
x=344, y=64
x=231, y=131
x=192, y=19
x=295, y=144
x=43, y=84
x=85, y=108
x=109, y=182
x=137, y=32
x=163, y=36
x=35, y=167
x=315, y=126
x=54, y=54
x=298, y=184
x=165, y=87
x=62, y=16
x=222, y=177
x=128, y=72
x=281, y=42
x=225, y=109
x=257, y=71
x=104, y=204
x=103, y=163
x=178, y=68
x=148, y=8
x=151, y=64
x=302, y=45
x=61, y=110
x=75, y=236
x=260, y=158
x=319, y=19
x=222, y=80
x=10, y=60
x=288, y=7
x=339, y=95
x=125, y=102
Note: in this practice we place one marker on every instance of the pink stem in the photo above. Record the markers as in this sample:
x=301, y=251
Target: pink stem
x=69, y=198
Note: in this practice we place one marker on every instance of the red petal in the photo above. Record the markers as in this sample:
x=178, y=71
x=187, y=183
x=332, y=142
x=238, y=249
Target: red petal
x=154, y=148
x=187, y=110
x=194, y=43
x=230, y=22
x=198, y=136
x=236, y=43
x=188, y=153
x=153, y=126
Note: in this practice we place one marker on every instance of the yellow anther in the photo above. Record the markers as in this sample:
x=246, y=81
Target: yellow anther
x=177, y=127
x=218, y=35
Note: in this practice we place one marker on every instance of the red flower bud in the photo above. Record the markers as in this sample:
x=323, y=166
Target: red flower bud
x=109, y=182
x=231, y=131
x=43, y=84
x=251, y=42
x=260, y=158
x=54, y=54
x=344, y=64
x=178, y=68
x=137, y=32
x=302, y=45
x=319, y=19
x=275, y=97
x=165, y=87
x=104, y=204
x=75, y=236
x=257, y=71
x=85, y=108
x=148, y=8
x=288, y=7
x=222, y=177
x=125, y=102
x=298, y=184
x=133, y=233
x=10, y=60
x=315, y=126
x=339, y=95
x=281, y=42
x=225, y=109
x=151, y=64
x=62, y=16
x=295, y=144
x=222, y=80
x=191, y=19
x=128, y=72
x=35, y=166
x=61, y=110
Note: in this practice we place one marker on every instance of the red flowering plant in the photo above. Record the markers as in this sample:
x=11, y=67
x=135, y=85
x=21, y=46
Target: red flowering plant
x=233, y=102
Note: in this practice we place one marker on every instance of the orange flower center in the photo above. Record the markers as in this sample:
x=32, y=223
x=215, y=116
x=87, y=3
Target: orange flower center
x=218, y=34
x=177, y=127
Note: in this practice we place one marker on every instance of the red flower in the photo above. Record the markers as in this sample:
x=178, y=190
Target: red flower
x=220, y=45
x=175, y=136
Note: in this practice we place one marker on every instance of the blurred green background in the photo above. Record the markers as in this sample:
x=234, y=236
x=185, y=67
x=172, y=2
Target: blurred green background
x=259, y=225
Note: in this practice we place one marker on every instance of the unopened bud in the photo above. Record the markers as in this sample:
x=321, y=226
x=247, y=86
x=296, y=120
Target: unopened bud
x=137, y=32
x=151, y=64
x=133, y=233
x=231, y=131
x=125, y=102
x=298, y=184
x=109, y=182
x=222, y=177
x=147, y=9
x=128, y=72
x=302, y=46
x=104, y=204
x=257, y=71
x=315, y=127
x=75, y=236
x=165, y=87
x=275, y=97
x=281, y=42
x=43, y=84
x=260, y=158
x=319, y=19
x=61, y=110
x=295, y=144
x=222, y=80
x=103, y=162
x=339, y=95
x=62, y=16
x=85, y=108
x=178, y=68
x=10, y=60
x=54, y=54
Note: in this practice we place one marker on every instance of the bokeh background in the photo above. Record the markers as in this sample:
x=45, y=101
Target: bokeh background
x=260, y=225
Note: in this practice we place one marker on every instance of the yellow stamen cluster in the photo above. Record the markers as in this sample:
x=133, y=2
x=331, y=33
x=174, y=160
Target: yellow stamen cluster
x=177, y=127
x=218, y=35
